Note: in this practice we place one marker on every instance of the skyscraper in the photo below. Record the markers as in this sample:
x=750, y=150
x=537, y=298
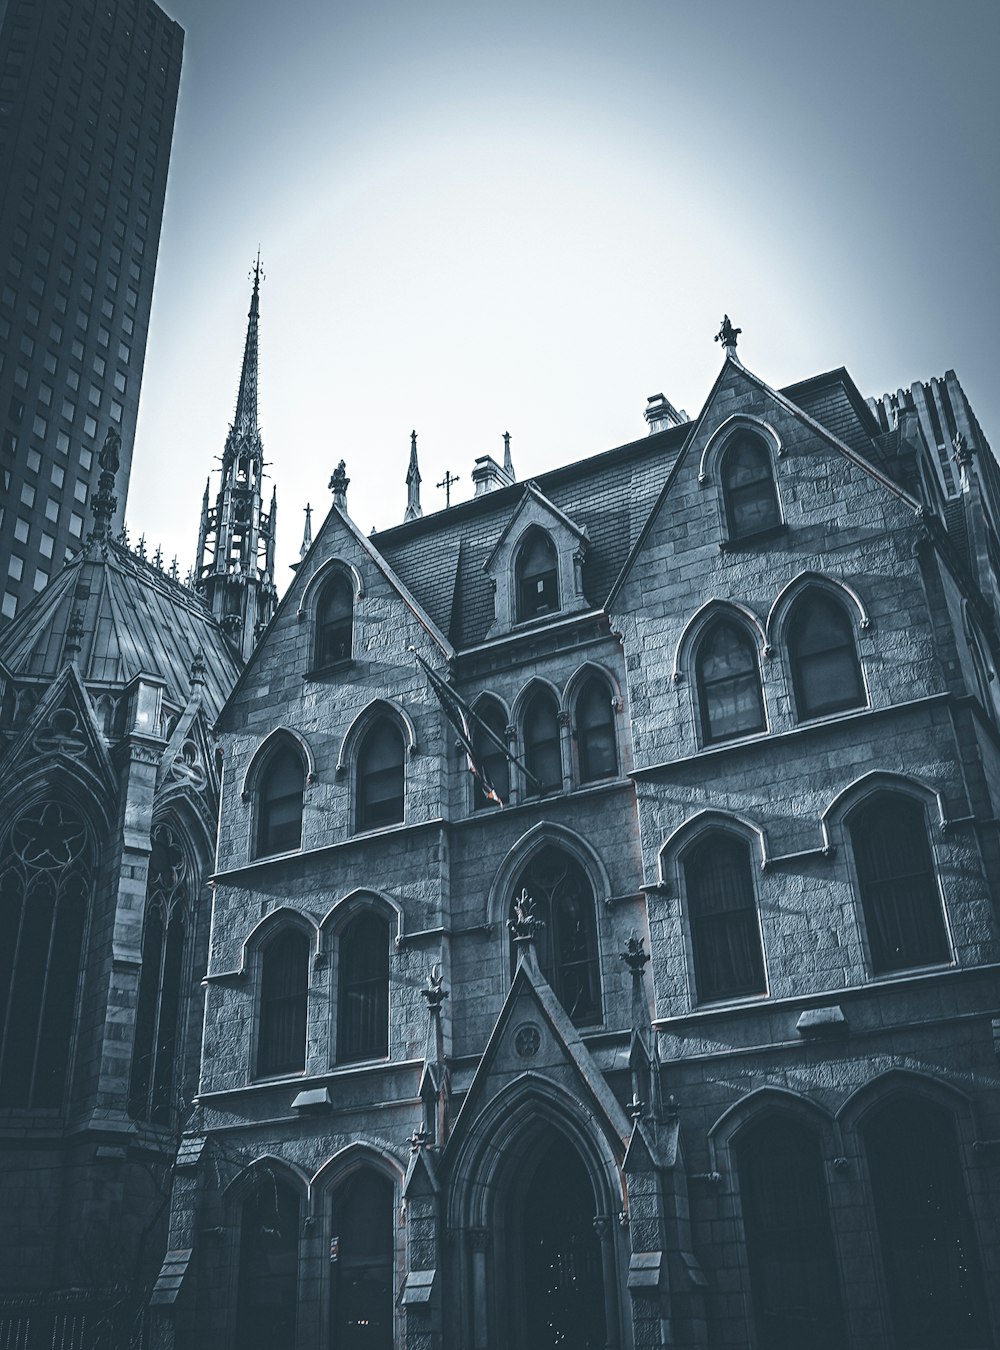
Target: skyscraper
x=88, y=92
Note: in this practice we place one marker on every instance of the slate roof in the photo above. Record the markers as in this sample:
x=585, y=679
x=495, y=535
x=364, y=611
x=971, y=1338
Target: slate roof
x=136, y=618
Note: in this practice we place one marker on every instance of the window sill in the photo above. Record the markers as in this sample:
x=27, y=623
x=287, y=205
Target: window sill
x=884, y=977
x=751, y=540
x=323, y=672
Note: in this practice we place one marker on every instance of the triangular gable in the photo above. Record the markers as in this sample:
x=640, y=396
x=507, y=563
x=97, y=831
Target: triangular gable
x=533, y=493
x=532, y=1016
x=62, y=730
x=303, y=576
x=731, y=364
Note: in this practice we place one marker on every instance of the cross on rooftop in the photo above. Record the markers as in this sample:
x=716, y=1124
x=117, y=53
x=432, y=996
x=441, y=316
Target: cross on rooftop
x=446, y=483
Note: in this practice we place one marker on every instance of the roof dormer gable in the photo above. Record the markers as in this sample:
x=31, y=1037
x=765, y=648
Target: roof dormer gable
x=536, y=566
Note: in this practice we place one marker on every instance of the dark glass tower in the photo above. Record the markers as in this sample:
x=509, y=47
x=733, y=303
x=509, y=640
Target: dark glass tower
x=88, y=91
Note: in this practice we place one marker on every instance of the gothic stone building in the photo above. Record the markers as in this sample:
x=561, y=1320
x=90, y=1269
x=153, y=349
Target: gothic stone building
x=692, y=1042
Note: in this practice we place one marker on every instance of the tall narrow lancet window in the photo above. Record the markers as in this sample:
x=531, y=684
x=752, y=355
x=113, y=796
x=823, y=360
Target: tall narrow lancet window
x=363, y=1283
x=929, y=1250
x=595, y=731
x=826, y=676
x=363, y=1002
x=381, y=776
x=542, y=754
x=786, y=1219
x=536, y=574
x=728, y=678
x=155, y=1053
x=900, y=900
x=46, y=887
x=566, y=943
x=284, y=998
x=269, y=1264
x=490, y=755
x=334, y=623
x=722, y=912
x=279, y=803
x=748, y=488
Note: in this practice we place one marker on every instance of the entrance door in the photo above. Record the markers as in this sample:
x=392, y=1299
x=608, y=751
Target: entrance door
x=362, y=1263
x=558, y=1254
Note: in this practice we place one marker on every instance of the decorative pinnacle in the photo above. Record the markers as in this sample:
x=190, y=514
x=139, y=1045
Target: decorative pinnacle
x=433, y=991
x=413, y=507
x=307, y=533
x=524, y=925
x=635, y=1108
x=105, y=503
x=964, y=452
x=339, y=483
x=508, y=466
x=635, y=955
x=74, y=634
x=198, y=669
x=727, y=334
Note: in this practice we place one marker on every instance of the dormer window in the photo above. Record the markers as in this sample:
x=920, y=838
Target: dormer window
x=537, y=577
x=748, y=488
x=334, y=623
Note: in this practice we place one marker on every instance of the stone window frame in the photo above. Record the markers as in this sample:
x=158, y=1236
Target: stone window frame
x=282, y=737
x=837, y=838
x=522, y=703
x=710, y=475
x=338, y=919
x=673, y=879
x=575, y=685
x=261, y=936
x=570, y=541
x=308, y=611
x=777, y=625
x=685, y=669
x=473, y=806
x=350, y=750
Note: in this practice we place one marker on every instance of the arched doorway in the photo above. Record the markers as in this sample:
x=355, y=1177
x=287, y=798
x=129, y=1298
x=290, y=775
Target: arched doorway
x=554, y=1262
x=361, y=1260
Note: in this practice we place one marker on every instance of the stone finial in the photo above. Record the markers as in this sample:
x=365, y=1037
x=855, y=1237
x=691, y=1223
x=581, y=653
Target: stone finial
x=104, y=502
x=198, y=669
x=508, y=464
x=727, y=335
x=635, y=1108
x=635, y=955
x=964, y=453
x=525, y=924
x=158, y=558
x=307, y=532
x=339, y=484
x=140, y=548
x=433, y=991
x=174, y=570
x=413, y=508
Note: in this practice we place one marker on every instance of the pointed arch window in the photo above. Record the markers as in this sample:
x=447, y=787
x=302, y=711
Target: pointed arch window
x=728, y=680
x=722, y=913
x=269, y=1261
x=748, y=488
x=381, y=777
x=929, y=1250
x=566, y=944
x=826, y=674
x=537, y=577
x=46, y=889
x=897, y=879
x=284, y=1000
x=279, y=803
x=786, y=1219
x=595, y=731
x=542, y=751
x=363, y=993
x=155, y=1051
x=334, y=623
x=363, y=1273
x=490, y=756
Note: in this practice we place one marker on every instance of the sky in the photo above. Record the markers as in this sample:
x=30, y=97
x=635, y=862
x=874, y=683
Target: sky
x=479, y=216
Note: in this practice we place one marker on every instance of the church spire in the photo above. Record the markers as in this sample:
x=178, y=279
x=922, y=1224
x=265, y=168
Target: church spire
x=307, y=533
x=413, y=507
x=235, y=571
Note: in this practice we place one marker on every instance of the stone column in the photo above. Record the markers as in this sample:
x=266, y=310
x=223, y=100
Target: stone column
x=478, y=1246
x=605, y=1232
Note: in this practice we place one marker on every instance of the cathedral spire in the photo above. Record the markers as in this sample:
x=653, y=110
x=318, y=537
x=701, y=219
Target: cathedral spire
x=235, y=570
x=413, y=508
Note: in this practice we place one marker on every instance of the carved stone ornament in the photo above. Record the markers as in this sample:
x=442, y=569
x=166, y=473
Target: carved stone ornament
x=524, y=925
x=527, y=1039
x=188, y=767
x=635, y=955
x=61, y=735
x=433, y=991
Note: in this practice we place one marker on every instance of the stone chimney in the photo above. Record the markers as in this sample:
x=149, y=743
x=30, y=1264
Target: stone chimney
x=488, y=475
x=661, y=414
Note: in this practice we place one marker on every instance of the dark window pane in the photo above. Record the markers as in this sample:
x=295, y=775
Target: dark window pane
x=362, y=1272
x=748, y=487
x=896, y=876
x=284, y=994
x=929, y=1248
x=363, y=1020
x=381, y=777
x=542, y=755
x=334, y=623
x=269, y=1251
x=491, y=757
x=725, y=935
x=825, y=671
x=728, y=678
x=279, y=825
x=796, y=1297
x=595, y=732
x=566, y=944
x=537, y=577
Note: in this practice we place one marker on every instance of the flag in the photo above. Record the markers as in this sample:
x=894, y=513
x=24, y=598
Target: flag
x=457, y=711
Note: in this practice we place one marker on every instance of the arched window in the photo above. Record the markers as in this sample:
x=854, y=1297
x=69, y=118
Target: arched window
x=334, y=622
x=722, y=912
x=362, y=1265
x=381, y=777
x=826, y=675
x=595, y=731
x=898, y=883
x=363, y=1002
x=46, y=886
x=537, y=577
x=786, y=1218
x=491, y=757
x=269, y=1262
x=748, y=488
x=929, y=1249
x=158, y=1011
x=542, y=754
x=728, y=678
x=279, y=803
x=566, y=943
x=284, y=998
